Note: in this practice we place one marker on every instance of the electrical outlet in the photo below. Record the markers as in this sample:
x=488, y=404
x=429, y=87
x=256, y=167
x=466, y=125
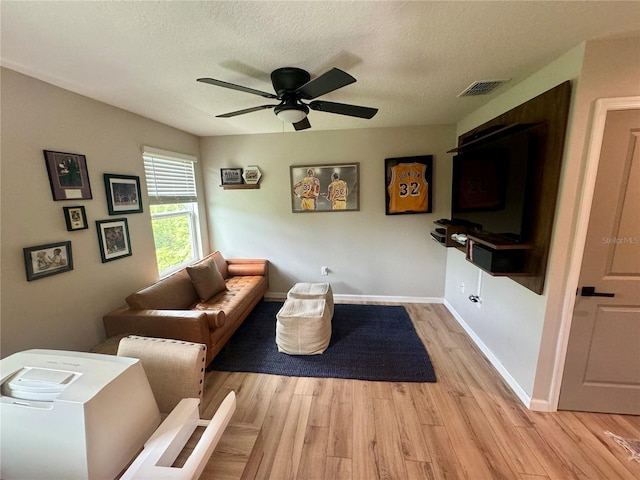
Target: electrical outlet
x=461, y=287
x=324, y=271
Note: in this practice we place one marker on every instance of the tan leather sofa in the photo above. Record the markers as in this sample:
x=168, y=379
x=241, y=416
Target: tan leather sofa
x=203, y=303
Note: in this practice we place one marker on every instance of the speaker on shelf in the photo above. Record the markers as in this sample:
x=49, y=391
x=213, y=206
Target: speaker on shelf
x=496, y=261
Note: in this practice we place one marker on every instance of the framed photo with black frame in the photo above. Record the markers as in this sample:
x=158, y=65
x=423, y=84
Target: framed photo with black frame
x=76, y=218
x=113, y=237
x=325, y=188
x=46, y=260
x=123, y=193
x=408, y=185
x=68, y=175
x=231, y=176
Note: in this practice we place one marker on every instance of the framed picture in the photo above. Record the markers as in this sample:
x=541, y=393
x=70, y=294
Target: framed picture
x=408, y=185
x=252, y=175
x=113, y=237
x=68, y=175
x=325, y=188
x=231, y=176
x=76, y=218
x=123, y=193
x=46, y=260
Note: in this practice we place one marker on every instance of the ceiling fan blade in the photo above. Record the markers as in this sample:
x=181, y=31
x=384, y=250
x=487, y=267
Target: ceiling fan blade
x=302, y=124
x=325, y=83
x=343, y=109
x=233, y=86
x=246, y=110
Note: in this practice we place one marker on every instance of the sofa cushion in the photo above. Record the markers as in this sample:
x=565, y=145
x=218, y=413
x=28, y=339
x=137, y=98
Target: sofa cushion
x=206, y=279
x=216, y=318
x=221, y=262
x=175, y=292
x=247, y=267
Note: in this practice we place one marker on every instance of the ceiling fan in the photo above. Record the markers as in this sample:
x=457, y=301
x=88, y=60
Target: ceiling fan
x=292, y=86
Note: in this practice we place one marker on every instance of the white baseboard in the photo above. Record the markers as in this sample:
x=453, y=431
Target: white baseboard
x=504, y=373
x=281, y=296
x=541, y=406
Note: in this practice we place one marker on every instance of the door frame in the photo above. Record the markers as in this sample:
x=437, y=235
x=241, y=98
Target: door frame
x=602, y=107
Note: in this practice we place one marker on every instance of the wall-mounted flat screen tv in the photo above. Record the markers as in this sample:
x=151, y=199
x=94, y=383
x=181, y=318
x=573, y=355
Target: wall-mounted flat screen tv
x=492, y=181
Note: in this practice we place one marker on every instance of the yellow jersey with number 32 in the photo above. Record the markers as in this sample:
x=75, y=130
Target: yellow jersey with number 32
x=408, y=188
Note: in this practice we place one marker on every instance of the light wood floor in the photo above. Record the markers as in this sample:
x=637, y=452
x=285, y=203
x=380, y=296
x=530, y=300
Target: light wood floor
x=468, y=425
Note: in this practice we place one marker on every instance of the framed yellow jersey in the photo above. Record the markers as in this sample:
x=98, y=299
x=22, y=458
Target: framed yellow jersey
x=408, y=185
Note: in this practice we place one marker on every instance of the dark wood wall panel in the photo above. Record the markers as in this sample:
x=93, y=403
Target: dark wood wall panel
x=551, y=109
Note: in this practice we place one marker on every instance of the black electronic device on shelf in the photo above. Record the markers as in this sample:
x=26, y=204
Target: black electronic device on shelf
x=496, y=261
x=438, y=236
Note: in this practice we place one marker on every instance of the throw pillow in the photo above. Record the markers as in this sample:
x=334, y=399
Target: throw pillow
x=206, y=279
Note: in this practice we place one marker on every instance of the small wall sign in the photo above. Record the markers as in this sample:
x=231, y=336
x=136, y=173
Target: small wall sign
x=231, y=176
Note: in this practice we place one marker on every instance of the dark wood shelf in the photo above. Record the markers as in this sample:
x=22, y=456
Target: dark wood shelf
x=492, y=135
x=498, y=274
x=496, y=242
x=498, y=258
x=241, y=186
x=449, y=229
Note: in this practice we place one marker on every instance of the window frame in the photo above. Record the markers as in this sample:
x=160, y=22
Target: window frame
x=191, y=212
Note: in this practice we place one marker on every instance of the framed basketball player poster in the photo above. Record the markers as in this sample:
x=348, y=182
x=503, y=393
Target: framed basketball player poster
x=408, y=185
x=325, y=188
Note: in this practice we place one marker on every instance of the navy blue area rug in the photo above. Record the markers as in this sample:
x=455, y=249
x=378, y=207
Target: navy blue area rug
x=368, y=342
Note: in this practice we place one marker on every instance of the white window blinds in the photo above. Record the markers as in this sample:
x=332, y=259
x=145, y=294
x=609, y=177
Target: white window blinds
x=170, y=178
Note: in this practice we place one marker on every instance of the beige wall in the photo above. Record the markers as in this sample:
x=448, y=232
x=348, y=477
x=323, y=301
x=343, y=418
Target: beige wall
x=368, y=253
x=65, y=311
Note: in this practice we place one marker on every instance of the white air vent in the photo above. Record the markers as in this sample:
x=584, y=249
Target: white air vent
x=482, y=87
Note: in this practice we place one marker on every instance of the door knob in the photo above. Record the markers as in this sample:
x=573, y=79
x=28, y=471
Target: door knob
x=591, y=292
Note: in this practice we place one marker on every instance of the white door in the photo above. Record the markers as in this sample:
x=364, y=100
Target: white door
x=602, y=367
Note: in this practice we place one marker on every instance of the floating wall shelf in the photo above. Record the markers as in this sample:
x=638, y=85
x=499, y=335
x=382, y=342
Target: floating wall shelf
x=241, y=186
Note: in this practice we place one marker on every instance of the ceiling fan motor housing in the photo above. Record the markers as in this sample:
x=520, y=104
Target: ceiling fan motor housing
x=291, y=104
x=288, y=79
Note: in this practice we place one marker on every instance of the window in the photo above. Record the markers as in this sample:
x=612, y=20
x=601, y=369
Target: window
x=173, y=203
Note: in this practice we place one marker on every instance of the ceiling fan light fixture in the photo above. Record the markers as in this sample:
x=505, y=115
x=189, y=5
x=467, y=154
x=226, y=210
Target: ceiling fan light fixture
x=291, y=113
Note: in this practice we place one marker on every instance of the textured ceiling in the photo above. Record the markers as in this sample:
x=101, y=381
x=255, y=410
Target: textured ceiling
x=410, y=59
